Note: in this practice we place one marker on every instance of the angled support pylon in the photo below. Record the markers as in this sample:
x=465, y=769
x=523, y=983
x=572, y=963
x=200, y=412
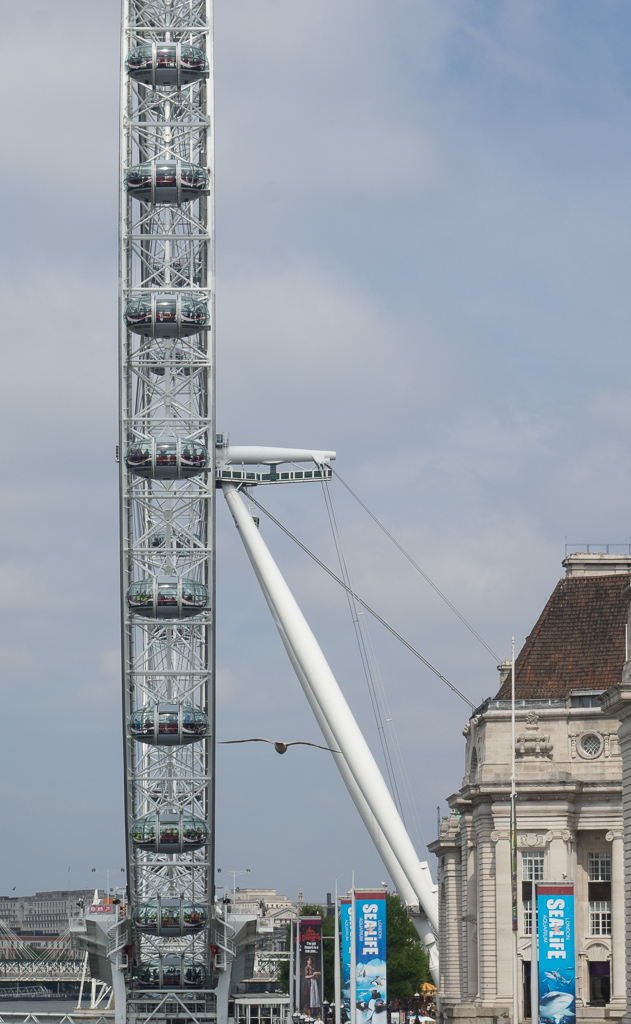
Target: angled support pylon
x=355, y=761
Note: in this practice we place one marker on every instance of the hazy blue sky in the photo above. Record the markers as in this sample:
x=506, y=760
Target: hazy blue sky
x=423, y=256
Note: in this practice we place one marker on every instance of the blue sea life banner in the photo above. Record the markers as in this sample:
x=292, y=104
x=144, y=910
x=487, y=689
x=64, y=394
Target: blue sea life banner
x=345, y=932
x=557, y=958
x=370, y=931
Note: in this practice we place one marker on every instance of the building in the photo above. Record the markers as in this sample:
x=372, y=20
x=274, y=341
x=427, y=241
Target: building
x=569, y=811
x=265, y=902
x=43, y=915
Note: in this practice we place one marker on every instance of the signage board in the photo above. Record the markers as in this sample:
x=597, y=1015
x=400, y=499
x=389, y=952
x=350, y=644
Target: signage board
x=556, y=956
x=310, y=982
x=370, y=937
x=345, y=935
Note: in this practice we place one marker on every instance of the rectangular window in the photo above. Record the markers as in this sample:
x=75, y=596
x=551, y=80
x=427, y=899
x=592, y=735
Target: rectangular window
x=527, y=906
x=532, y=867
x=599, y=867
x=600, y=917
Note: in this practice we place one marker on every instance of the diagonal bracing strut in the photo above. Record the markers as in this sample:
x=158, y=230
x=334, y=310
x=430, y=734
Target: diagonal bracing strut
x=355, y=761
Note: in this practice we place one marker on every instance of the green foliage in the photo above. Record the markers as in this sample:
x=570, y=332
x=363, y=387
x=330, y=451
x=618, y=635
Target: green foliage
x=407, y=961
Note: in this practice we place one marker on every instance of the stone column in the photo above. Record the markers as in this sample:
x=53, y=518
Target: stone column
x=503, y=910
x=449, y=903
x=447, y=849
x=469, y=956
x=487, y=947
x=618, y=987
x=617, y=702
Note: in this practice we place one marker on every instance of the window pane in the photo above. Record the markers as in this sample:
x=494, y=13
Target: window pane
x=600, y=917
x=599, y=867
x=527, y=917
x=532, y=867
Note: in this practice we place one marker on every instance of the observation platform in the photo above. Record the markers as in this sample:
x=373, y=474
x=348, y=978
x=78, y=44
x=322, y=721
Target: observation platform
x=252, y=465
x=247, y=476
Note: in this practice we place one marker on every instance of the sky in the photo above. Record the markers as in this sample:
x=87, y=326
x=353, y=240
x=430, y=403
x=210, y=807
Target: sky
x=423, y=245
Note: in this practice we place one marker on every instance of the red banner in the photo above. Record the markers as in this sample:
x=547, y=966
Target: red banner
x=310, y=983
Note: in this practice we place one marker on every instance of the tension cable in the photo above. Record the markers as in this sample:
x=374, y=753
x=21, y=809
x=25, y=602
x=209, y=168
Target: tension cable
x=418, y=568
x=363, y=603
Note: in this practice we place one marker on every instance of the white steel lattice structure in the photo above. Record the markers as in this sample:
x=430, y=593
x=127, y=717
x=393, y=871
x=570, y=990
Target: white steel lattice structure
x=167, y=444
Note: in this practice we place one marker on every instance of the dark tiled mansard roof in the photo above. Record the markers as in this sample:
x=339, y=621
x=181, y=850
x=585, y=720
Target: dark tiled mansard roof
x=578, y=642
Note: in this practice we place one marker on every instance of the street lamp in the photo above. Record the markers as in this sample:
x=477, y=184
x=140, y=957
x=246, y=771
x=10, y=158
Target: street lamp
x=106, y=872
x=242, y=871
x=417, y=997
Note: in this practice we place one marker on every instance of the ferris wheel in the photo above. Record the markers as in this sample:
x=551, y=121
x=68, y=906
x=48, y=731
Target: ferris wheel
x=167, y=495
x=167, y=953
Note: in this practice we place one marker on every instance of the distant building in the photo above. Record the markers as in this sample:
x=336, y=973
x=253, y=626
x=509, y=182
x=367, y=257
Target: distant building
x=263, y=902
x=569, y=811
x=44, y=915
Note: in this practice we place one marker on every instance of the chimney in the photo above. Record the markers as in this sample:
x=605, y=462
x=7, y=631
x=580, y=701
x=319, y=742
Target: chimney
x=504, y=670
x=596, y=563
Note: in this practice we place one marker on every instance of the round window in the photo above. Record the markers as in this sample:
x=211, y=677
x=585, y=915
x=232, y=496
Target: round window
x=590, y=745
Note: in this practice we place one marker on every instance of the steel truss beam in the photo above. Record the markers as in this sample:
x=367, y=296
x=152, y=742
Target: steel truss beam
x=167, y=526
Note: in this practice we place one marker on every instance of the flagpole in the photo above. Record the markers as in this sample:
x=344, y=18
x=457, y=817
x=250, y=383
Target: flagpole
x=513, y=840
x=292, y=1004
x=534, y=960
x=336, y=963
x=298, y=978
x=353, y=1006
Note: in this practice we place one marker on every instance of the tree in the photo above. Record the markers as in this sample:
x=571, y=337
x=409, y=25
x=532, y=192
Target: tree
x=407, y=962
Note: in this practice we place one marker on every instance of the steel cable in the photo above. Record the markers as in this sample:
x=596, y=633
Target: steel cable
x=363, y=603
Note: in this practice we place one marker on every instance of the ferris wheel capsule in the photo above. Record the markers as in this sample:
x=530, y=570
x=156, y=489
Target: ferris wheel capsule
x=170, y=597
x=167, y=316
x=166, y=64
x=168, y=724
x=167, y=181
x=167, y=832
x=170, y=971
x=173, y=458
x=172, y=917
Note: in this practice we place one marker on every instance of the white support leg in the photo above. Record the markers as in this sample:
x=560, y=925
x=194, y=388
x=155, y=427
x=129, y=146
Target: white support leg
x=323, y=687
x=390, y=862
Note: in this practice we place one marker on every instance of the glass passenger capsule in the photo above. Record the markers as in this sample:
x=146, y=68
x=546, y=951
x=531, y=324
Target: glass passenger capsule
x=164, y=916
x=168, y=725
x=167, y=459
x=170, y=597
x=166, y=832
x=167, y=181
x=170, y=972
x=170, y=64
x=167, y=316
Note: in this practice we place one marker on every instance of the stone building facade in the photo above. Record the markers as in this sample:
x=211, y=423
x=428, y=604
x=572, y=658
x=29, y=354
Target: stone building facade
x=569, y=809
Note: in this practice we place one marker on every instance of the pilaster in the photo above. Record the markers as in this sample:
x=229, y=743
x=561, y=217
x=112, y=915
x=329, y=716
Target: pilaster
x=487, y=940
x=618, y=987
x=503, y=901
x=617, y=702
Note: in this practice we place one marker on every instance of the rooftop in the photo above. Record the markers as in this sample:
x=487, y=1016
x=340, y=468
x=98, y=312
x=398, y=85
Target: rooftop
x=578, y=642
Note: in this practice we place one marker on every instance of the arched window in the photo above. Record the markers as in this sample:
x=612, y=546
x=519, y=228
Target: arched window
x=473, y=768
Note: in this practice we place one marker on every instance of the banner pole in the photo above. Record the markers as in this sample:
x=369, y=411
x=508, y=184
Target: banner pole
x=534, y=960
x=336, y=964
x=292, y=1005
x=513, y=840
x=353, y=1007
x=298, y=978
